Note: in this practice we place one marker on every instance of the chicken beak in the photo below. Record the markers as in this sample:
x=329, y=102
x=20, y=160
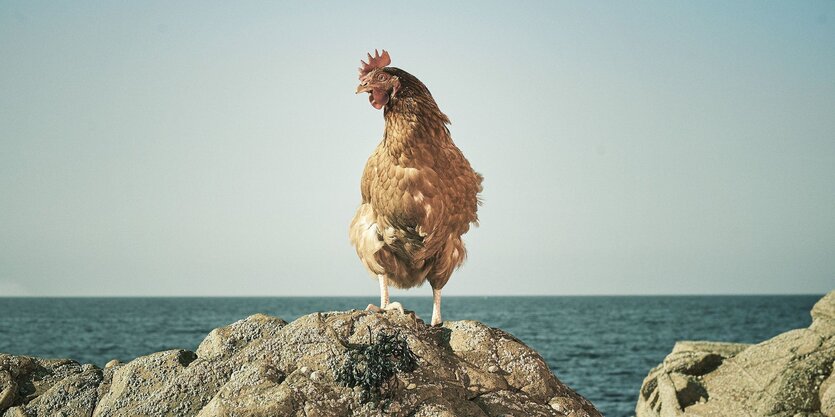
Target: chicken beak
x=363, y=88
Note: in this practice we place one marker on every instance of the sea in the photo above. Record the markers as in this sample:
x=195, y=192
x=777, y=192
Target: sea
x=601, y=346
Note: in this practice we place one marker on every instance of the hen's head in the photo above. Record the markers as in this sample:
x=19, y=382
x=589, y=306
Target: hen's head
x=385, y=84
x=388, y=85
x=379, y=82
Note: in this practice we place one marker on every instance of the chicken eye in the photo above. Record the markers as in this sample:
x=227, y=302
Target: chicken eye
x=382, y=77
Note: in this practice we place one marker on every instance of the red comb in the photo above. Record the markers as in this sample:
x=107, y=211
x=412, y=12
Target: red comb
x=376, y=61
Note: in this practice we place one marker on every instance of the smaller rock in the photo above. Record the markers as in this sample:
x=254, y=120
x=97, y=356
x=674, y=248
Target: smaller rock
x=688, y=390
x=698, y=358
x=112, y=363
x=271, y=374
x=827, y=396
x=823, y=314
x=14, y=412
x=393, y=408
x=304, y=370
x=559, y=404
x=312, y=411
x=315, y=376
x=493, y=369
x=411, y=386
x=8, y=390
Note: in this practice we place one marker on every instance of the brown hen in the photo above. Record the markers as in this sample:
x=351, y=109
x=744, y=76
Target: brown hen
x=419, y=193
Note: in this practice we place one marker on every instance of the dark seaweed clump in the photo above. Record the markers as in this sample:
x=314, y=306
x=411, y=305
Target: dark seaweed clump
x=372, y=366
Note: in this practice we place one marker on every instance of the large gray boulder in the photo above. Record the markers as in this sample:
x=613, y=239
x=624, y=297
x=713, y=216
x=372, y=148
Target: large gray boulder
x=263, y=366
x=788, y=375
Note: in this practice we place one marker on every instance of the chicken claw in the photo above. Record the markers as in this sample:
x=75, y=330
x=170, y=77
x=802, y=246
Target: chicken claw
x=396, y=306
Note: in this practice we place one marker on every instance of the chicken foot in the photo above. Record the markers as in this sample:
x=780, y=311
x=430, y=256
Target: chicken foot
x=385, y=305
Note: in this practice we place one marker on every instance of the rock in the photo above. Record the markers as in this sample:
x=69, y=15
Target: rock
x=75, y=395
x=162, y=383
x=8, y=390
x=225, y=341
x=45, y=387
x=823, y=315
x=699, y=358
x=516, y=404
x=521, y=367
x=788, y=375
x=827, y=396
x=264, y=366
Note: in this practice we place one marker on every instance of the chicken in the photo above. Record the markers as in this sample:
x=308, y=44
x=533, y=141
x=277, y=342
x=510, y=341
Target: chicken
x=419, y=193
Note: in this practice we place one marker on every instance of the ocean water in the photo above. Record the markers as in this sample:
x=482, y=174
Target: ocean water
x=602, y=347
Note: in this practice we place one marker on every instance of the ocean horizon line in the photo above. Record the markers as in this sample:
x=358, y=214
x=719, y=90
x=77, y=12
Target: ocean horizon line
x=420, y=296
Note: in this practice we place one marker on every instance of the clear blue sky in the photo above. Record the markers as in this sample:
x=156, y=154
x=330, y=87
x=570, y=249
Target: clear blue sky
x=215, y=148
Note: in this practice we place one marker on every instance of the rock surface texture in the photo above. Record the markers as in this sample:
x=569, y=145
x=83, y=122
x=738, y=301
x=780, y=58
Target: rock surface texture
x=788, y=375
x=263, y=366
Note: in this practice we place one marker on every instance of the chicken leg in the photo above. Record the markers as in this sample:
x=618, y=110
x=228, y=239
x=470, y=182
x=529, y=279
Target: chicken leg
x=385, y=305
x=436, y=307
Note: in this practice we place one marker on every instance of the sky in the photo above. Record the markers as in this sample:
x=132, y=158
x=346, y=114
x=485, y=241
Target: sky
x=216, y=148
